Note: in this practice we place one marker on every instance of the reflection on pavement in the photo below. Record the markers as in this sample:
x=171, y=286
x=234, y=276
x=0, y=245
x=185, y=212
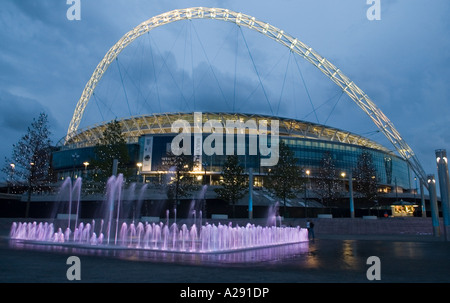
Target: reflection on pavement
x=240, y=257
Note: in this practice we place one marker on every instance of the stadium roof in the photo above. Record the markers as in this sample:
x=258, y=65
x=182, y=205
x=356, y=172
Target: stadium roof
x=161, y=123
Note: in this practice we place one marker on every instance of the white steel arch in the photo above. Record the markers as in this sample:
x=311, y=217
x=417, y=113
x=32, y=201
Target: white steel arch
x=295, y=45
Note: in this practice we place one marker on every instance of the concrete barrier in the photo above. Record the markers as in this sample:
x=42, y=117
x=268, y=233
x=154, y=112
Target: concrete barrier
x=150, y=219
x=66, y=216
x=219, y=216
x=370, y=217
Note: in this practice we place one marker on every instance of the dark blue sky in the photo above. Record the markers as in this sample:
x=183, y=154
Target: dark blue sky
x=401, y=61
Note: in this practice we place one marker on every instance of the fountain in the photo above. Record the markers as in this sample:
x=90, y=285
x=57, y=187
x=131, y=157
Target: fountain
x=198, y=204
x=272, y=215
x=207, y=238
x=69, y=193
x=211, y=238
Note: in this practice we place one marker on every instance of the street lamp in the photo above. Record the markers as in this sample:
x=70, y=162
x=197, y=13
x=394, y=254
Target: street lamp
x=30, y=180
x=350, y=191
x=433, y=204
x=444, y=186
x=85, y=168
x=415, y=189
x=75, y=156
x=343, y=174
x=307, y=172
x=139, y=166
x=13, y=166
x=205, y=164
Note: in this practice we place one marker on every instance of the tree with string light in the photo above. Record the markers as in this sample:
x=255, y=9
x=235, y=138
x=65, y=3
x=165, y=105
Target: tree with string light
x=327, y=185
x=285, y=179
x=234, y=183
x=181, y=183
x=31, y=158
x=111, y=146
x=365, y=176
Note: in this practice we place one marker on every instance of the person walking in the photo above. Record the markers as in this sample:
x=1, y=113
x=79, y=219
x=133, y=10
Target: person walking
x=310, y=228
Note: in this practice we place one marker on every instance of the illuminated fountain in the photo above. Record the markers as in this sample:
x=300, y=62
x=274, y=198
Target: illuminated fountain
x=159, y=236
x=208, y=238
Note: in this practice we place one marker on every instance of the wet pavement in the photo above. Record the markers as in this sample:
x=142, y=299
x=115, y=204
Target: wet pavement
x=324, y=260
x=330, y=258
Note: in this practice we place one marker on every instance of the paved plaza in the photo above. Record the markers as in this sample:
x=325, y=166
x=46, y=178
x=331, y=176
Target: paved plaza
x=329, y=258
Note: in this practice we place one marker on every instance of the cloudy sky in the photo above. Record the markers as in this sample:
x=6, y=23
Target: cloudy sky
x=401, y=61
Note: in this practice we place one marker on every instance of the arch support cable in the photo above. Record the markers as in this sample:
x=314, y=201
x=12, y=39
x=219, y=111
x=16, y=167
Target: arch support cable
x=326, y=67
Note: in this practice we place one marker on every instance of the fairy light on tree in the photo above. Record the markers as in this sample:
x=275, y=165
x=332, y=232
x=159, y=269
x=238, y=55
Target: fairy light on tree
x=285, y=179
x=31, y=157
x=365, y=176
x=234, y=185
x=328, y=185
x=112, y=145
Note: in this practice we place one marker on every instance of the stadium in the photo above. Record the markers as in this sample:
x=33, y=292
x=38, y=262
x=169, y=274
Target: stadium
x=149, y=139
x=149, y=136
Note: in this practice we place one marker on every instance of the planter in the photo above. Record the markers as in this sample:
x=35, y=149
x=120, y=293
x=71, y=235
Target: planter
x=150, y=219
x=66, y=216
x=219, y=216
x=370, y=217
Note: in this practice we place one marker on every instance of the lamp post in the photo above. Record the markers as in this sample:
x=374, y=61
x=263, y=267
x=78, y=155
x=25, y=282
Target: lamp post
x=307, y=172
x=433, y=204
x=343, y=174
x=444, y=186
x=30, y=186
x=422, y=198
x=204, y=165
x=350, y=194
x=139, y=168
x=250, y=193
x=13, y=167
x=415, y=189
x=396, y=189
x=86, y=164
x=75, y=156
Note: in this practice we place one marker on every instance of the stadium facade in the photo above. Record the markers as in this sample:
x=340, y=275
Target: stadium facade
x=149, y=140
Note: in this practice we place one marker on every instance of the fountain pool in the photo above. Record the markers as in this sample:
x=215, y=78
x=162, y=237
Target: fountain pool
x=209, y=238
x=114, y=232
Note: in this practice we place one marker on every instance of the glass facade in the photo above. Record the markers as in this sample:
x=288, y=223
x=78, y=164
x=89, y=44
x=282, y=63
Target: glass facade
x=391, y=169
x=71, y=162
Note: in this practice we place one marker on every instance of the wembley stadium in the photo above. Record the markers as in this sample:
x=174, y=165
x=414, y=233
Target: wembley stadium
x=149, y=137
